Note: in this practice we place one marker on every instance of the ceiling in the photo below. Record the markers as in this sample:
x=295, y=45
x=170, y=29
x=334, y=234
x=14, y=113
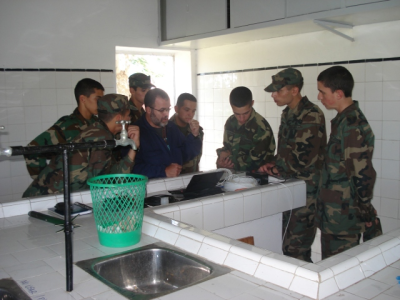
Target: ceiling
x=280, y=28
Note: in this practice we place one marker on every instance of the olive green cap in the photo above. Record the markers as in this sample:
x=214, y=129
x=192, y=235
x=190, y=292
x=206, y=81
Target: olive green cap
x=140, y=80
x=112, y=103
x=285, y=77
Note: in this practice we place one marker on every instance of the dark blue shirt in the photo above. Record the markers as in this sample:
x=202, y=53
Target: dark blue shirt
x=155, y=154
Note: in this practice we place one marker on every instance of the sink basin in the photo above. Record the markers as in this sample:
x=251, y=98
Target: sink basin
x=151, y=271
x=10, y=290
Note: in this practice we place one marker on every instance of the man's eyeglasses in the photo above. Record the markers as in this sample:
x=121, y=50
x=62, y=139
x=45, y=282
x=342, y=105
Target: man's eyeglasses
x=162, y=110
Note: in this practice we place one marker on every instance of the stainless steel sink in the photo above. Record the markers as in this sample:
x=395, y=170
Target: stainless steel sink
x=9, y=290
x=151, y=271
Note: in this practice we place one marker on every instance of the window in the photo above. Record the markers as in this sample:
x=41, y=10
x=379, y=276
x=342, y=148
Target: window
x=169, y=70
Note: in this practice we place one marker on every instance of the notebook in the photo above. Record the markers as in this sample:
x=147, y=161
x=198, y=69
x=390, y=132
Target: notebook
x=201, y=185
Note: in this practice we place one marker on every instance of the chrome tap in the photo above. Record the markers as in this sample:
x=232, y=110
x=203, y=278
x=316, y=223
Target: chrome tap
x=124, y=139
x=5, y=151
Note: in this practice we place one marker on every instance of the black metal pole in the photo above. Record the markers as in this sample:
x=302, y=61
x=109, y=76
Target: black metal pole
x=19, y=150
x=68, y=229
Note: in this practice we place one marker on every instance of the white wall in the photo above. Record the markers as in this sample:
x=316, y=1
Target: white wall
x=377, y=88
x=74, y=34
x=267, y=232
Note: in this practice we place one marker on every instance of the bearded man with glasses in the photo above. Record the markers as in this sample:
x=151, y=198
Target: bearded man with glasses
x=163, y=147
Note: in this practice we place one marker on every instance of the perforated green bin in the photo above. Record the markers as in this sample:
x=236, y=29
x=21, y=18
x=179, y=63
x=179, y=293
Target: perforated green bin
x=118, y=208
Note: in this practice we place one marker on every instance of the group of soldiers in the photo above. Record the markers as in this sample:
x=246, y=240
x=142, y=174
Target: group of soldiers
x=339, y=175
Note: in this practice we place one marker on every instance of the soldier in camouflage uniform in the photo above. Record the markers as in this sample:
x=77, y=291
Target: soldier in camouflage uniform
x=301, y=146
x=87, y=92
x=185, y=109
x=344, y=208
x=248, y=138
x=87, y=163
x=139, y=85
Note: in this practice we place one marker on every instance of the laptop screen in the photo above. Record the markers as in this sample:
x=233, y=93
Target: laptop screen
x=200, y=182
x=203, y=181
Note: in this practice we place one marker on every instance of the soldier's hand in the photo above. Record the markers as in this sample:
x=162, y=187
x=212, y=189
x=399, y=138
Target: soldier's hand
x=369, y=224
x=225, y=162
x=134, y=134
x=269, y=168
x=366, y=213
x=173, y=170
x=194, y=127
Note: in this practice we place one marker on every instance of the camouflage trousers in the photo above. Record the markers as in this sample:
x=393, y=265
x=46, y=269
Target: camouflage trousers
x=332, y=244
x=299, y=231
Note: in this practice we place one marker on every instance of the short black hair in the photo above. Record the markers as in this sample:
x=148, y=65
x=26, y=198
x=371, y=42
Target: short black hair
x=183, y=97
x=337, y=78
x=151, y=96
x=240, y=96
x=86, y=87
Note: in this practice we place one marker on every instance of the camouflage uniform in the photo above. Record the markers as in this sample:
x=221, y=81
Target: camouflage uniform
x=138, y=80
x=191, y=165
x=301, y=146
x=251, y=144
x=135, y=113
x=87, y=163
x=348, y=178
x=45, y=178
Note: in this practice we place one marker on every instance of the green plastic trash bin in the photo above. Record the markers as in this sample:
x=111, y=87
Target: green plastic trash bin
x=118, y=208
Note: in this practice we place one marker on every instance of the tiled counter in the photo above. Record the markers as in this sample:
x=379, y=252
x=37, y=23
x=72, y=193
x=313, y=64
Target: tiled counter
x=33, y=254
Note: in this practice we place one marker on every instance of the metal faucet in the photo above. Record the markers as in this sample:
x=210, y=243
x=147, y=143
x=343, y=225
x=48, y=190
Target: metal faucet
x=5, y=151
x=124, y=139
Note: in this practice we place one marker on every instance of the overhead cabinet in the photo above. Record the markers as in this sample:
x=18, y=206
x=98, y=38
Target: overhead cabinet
x=196, y=19
x=184, y=18
x=244, y=13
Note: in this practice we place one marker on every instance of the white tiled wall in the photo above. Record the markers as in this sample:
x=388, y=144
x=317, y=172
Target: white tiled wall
x=30, y=102
x=377, y=88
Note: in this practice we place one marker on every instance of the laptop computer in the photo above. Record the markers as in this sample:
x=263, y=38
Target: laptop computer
x=200, y=185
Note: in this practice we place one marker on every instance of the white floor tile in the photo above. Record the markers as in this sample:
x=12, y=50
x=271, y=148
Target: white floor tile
x=387, y=276
x=57, y=263
x=59, y=294
x=263, y=292
x=34, y=254
x=384, y=297
x=27, y=270
x=283, y=291
x=192, y=293
x=396, y=265
x=247, y=296
x=108, y=295
x=90, y=288
x=79, y=275
x=43, y=283
x=87, y=254
x=394, y=291
x=227, y=286
x=349, y=277
x=10, y=246
x=343, y=296
x=368, y=288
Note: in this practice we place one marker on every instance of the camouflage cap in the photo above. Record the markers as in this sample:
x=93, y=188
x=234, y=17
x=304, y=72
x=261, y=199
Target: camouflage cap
x=285, y=77
x=140, y=80
x=112, y=103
